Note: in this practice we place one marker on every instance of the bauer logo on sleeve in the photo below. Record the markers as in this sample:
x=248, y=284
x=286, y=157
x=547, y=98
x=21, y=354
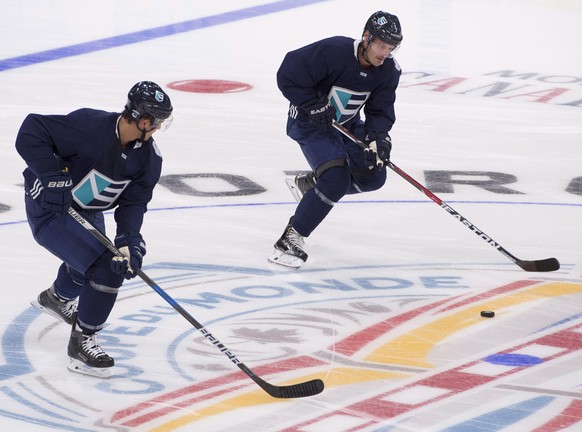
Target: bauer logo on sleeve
x=97, y=191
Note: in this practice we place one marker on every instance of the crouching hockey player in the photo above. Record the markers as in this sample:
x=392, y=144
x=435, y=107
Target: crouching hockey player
x=333, y=80
x=94, y=161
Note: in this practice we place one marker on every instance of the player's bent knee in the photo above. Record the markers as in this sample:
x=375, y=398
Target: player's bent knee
x=374, y=181
x=100, y=272
x=334, y=182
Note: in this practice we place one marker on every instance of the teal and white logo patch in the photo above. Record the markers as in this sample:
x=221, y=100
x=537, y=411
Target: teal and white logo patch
x=97, y=191
x=347, y=102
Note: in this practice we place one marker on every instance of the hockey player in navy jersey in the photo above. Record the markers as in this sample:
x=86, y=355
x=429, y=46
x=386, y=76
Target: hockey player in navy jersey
x=334, y=79
x=94, y=161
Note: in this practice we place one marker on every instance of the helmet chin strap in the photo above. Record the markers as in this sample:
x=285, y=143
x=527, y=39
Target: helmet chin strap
x=143, y=134
x=365, y=49
x=144, y=131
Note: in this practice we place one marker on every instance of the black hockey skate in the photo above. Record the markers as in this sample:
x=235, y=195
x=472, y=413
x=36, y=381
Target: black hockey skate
x=87, y=356
x=289, y=248
x=48, y=301
x=300, y=184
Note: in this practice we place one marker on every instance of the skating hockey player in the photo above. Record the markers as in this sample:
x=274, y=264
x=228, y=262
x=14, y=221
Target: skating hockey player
x=94, y=161
x=334, y=79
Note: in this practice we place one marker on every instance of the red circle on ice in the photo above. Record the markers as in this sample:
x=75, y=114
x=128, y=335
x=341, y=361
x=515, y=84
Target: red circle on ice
x=210, y=86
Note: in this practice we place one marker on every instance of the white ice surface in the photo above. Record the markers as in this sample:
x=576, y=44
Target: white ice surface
x=386, y=310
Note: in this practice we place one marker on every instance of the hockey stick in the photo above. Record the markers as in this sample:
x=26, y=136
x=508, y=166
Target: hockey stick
x=304, y=389
x=544, y=265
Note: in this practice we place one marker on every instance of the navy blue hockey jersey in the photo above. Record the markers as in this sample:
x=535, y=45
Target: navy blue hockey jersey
x=105, y=174
x=330, y=66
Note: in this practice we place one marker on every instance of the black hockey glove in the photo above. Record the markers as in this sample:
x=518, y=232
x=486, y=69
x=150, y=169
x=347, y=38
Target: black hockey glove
x=321, y=113
x=377, y=155
x=133, y=247
x=57, y=197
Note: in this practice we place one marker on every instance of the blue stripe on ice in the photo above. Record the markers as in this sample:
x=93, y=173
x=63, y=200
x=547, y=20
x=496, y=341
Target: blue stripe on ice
x=501, y=418
x=149, y=34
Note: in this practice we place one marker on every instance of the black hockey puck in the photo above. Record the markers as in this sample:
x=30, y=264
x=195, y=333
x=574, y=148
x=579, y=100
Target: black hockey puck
x=487, y=314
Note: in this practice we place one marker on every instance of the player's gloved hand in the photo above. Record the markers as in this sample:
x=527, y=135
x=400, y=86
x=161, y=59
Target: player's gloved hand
x=377, y=155
x=133, y=248
x=57, y=196
x=321, y=113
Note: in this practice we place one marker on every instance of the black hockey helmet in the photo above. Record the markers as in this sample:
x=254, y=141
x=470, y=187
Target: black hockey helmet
x=146, y=98
x=385, y=27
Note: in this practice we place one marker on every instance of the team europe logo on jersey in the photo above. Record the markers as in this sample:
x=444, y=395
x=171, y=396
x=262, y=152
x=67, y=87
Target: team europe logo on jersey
x=97, y=191
x=347, y=102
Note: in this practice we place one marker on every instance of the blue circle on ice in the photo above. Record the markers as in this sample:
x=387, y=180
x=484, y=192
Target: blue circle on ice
x=513, y=359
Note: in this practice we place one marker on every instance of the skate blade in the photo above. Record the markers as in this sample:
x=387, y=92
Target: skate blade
x=79, y=367
x=48, y=311
x=281, y=258
x=297, y=194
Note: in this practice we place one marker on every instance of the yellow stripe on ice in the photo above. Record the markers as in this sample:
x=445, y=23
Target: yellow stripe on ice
x=412, y=348
x=334, y=378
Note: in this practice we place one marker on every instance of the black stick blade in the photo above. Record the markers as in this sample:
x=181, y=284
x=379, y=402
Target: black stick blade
x=546, y=265
x=305, y=389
